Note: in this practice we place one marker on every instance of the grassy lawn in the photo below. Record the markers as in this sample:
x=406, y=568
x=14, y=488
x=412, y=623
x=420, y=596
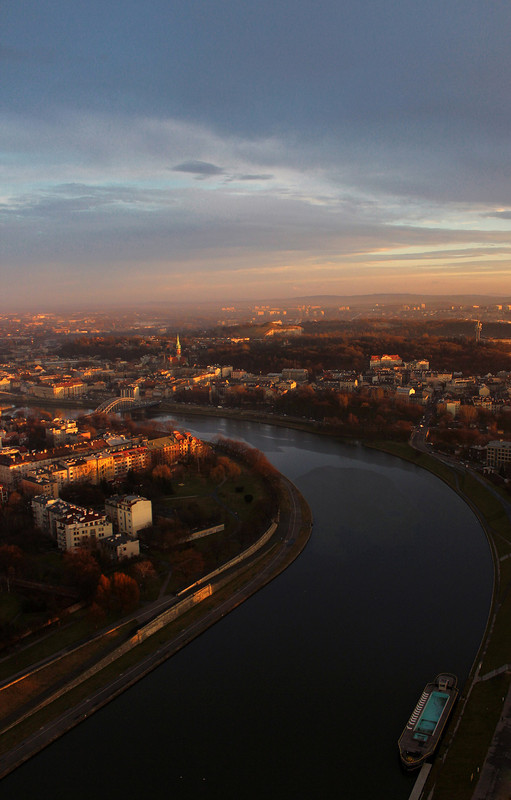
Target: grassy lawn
x=470, y=745
x=225, y=502
x=28, y=689
x=403, y=450
x=10, y=606
x=499, y=647
x=400, y=449
x=233, y=493
x=438, y=468
x=80, y=628
x=489, y=505
x=190, y=486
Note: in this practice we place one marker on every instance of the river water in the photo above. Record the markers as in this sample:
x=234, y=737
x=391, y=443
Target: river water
x=301, y=692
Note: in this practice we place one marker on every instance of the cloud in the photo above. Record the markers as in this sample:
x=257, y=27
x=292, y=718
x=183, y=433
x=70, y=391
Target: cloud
x=93, y=196
x=498, y=214
x=202, y=168
x=262, y=177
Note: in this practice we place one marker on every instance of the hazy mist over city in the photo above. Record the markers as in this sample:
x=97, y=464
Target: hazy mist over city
x=235, y=151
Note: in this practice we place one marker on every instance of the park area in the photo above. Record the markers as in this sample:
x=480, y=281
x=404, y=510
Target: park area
x=205, y=512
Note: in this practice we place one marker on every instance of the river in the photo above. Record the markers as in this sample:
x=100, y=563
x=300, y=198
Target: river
x=301, y=692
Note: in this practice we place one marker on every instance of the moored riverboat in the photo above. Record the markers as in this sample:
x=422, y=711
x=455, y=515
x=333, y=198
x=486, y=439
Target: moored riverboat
x=423, y=730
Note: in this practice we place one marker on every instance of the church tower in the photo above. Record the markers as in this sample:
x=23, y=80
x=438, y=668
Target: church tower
x=178, y=347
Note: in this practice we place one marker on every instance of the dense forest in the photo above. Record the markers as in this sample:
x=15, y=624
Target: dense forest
x=448, y=345
x=337, y=350
x=127, y=348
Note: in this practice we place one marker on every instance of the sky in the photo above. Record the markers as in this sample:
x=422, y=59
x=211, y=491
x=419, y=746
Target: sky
x=223, y=149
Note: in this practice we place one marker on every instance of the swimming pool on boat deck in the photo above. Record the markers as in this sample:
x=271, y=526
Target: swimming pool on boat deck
x=431, y=713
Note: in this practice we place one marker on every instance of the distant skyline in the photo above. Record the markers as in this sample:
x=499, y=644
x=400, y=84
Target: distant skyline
x=224, y=150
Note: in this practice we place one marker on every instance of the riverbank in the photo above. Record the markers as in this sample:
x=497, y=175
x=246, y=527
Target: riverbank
x=348, y=594
x=471, y=748
x=473, y=761
x=29, y=401
x=47, y=723
x=478, y=720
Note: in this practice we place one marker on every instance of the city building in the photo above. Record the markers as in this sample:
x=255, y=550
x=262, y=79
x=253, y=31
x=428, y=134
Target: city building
x=61, y=431
x=498, y=454
x=379, y=362
x=72, y=526
x=299, y=375
x=81, y=528
x=41, y=506
x=40, y=482
x=119, y=546
x=130, y=513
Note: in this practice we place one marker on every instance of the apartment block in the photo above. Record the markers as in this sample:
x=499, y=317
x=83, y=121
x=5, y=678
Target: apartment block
x=498, y=454
x=130, y=513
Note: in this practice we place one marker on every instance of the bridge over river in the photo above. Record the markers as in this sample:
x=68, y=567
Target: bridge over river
x=118, y=404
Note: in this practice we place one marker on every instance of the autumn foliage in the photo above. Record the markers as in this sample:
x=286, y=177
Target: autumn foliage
x=117, y=594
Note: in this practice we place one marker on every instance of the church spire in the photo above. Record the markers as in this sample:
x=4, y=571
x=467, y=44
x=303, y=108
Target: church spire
x=178, y=347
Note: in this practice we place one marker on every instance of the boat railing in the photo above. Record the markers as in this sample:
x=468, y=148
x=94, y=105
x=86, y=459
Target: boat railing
x=417, y=711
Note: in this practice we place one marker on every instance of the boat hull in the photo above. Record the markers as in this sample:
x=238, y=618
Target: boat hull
x=427, y=723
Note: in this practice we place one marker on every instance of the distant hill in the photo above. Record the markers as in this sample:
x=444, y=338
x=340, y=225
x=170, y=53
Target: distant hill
x=391, y=299
x=354, y=301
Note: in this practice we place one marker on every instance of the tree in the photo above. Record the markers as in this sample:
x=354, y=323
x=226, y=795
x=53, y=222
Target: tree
x=161, y=475
x=82, y=571
x=144, y=572
x=102, y=598
x=125, y=591
x=188, y=563
x=232, y=470
x=217, y=473
x=12, y=561
x=166, y=533
x=161, y=471
x=15, y=500
x=467, y=414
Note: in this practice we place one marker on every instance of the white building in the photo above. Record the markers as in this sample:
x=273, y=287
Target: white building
x=130, y=513
x=41, y=506
x=81, y=528
x=73, y=527
x=498, y=454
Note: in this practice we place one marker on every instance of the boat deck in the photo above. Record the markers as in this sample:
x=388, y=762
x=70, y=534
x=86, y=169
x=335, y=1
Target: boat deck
x=427, y=722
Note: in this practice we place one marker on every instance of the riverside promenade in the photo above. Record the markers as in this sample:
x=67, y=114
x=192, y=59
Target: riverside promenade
x=495, y=776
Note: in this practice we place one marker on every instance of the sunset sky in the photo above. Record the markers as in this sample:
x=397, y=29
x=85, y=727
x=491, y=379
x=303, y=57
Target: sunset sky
x=224, y=149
